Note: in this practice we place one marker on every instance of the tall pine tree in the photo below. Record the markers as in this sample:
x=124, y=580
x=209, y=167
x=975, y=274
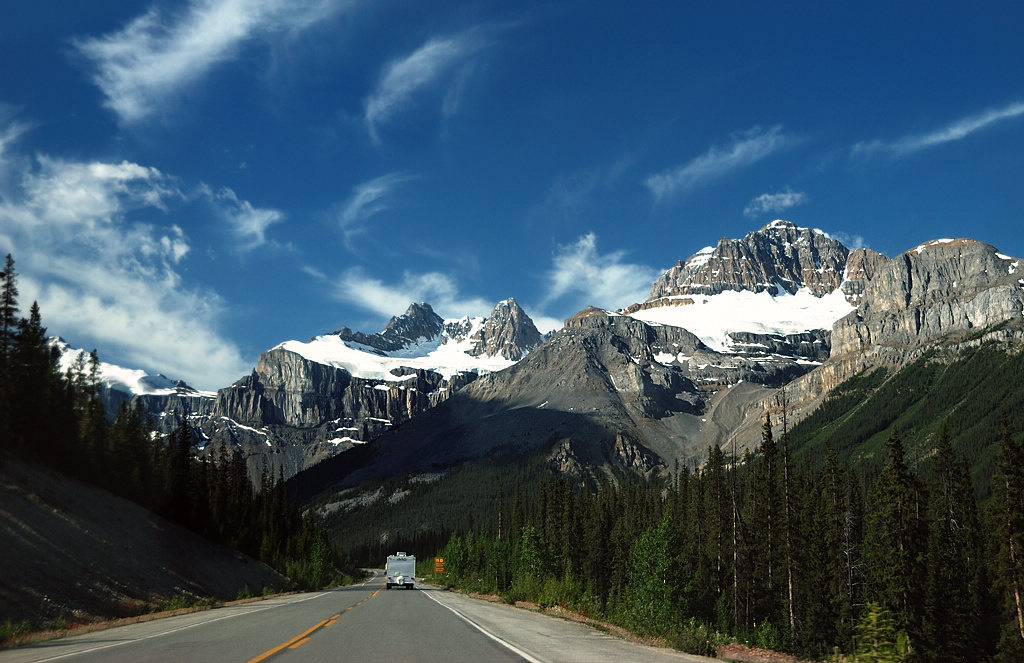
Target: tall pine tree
x=893, y=541
x=1009, y=507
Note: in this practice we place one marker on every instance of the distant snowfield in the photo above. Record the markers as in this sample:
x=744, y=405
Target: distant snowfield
x=132, y=381
x=441, y=355
x=711, y=318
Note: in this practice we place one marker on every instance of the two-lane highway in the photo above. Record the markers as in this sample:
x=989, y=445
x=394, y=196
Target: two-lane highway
x=360, y=623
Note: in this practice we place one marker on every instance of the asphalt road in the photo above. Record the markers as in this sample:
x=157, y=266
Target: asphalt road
x=359, y=623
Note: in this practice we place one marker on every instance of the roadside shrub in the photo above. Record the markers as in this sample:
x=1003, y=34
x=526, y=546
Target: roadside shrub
x=693, y=637
x=11, y=630
x=696, y=638
x=766, y=636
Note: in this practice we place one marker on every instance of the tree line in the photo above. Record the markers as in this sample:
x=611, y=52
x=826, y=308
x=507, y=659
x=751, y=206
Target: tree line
x=58, y=419
x=813, y=558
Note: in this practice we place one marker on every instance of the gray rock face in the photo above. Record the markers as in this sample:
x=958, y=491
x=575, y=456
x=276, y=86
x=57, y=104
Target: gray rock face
x=945, y=288
x=769, y=359
x=418, y=323
x=943, y=294
x=778, y=254
x=811, y=345
x=861, y=267
x=288, y=389
x=508, y=332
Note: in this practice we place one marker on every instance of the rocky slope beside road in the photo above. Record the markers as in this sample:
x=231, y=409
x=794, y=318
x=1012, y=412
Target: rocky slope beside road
x=75, y=552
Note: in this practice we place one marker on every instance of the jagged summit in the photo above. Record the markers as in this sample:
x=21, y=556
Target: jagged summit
x=508, y=332
x=418, y=323
x=780, y=256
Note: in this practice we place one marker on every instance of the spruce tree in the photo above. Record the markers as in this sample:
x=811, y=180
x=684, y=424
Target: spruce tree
x=767, y=523
x=953, y=559
x=8, y=312
x=1009, y=507
x=893, y=541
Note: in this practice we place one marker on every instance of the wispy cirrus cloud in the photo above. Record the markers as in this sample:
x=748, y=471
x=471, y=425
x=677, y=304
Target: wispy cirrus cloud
x=571, y=195
x=742, y=149
x=439, y=60
x=368, y=199
x=11, y=130
x=109, y=280
x=958, y=130
x=158, y=54
x=768, y=203
x=247, y=223
x=581, y=275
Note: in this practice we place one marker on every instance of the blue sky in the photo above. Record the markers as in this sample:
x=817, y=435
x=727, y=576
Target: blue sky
x=185, y=184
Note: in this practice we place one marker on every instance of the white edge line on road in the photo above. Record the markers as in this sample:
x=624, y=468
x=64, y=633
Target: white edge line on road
x=503, y=643
x=174, y=630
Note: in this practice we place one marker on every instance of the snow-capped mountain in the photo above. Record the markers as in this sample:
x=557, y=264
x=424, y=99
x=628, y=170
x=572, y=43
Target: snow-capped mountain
x=119, y=385
x=772, y=295
x=778, y=257
x=133, y=382
x=635, y=390
x=308, y=400
x=421, y=340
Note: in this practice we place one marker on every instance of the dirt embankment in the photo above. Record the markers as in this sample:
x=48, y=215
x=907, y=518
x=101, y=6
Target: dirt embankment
x=71, y=551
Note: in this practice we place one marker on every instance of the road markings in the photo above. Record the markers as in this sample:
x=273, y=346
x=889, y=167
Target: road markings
x=79, y=652
x=303, y=637
x=270, y=652
x=500, y=641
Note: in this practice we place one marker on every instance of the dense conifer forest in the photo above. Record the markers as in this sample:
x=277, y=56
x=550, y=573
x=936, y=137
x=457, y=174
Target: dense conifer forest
x=813, y=557
x=57, y=419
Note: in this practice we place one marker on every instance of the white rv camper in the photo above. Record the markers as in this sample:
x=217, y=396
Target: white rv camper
x=401, y=571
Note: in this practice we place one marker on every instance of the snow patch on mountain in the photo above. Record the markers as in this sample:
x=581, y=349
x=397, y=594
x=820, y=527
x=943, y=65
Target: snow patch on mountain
x=132, y=381
x=442, y=354
x=712, y=317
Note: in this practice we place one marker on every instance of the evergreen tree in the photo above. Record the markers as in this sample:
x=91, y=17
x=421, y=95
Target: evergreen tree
x=8, y=312
x=953, y=559
x=893, y=541
x=827, y=590
x=767, y=522
x=41, y=418
x=1009, y=509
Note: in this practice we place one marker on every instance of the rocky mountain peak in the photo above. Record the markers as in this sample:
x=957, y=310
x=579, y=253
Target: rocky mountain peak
x=779, y=255
x=419, y=322
x=508, y=332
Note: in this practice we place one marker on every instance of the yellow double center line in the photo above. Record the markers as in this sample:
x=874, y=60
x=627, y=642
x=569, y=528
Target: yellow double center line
x=303, y=637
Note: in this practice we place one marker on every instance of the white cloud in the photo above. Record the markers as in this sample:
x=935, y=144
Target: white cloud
x=545, y=323
x=956, y=131
x=368, y=199
x=249, y=224
x=428, y=64
x=441, y=291
x=11, y=130
x=582, y=276
x=742, y=150
x=768, y=203
x=850, y=241
x=111, y=282
x=158, y=54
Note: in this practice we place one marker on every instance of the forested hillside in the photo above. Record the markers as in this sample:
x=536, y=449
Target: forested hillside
x=805, y=556
x=966, y=393
x=57, y=420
